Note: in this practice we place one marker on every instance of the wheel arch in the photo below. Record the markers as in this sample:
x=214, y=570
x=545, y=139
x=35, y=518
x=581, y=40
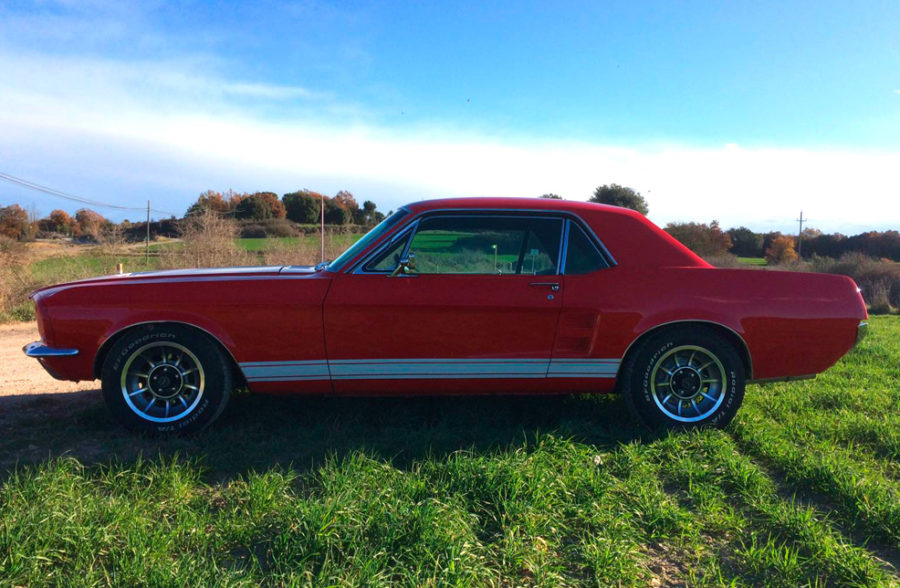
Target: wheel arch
x=726, y=332
x=111, y=340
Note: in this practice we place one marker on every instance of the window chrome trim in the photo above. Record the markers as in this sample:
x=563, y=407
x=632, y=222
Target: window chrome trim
x=563, y=249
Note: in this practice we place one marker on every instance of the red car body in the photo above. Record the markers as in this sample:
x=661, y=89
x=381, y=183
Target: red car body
x=301, y=331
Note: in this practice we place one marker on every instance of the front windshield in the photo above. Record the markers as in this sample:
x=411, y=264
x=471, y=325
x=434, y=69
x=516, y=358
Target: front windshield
x=370, y=237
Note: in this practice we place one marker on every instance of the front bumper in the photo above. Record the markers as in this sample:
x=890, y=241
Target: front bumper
x=39, y=350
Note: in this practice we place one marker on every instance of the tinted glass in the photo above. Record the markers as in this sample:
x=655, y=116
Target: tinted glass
x=486, y=245
x=582, y=255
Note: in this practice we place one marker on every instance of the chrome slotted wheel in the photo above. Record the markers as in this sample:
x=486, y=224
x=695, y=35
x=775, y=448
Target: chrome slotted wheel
x=688, y=383
x=162, y=382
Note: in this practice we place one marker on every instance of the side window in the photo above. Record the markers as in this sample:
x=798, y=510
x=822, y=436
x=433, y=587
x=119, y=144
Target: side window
x=582, y=256
x=387, y=260
x=485, y=244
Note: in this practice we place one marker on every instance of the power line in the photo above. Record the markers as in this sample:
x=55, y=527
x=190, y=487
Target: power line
x=73, y=198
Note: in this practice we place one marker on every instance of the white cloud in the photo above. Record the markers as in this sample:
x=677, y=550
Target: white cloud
x=178, y=128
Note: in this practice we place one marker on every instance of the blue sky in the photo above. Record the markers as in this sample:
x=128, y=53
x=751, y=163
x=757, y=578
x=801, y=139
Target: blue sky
x=744, y=112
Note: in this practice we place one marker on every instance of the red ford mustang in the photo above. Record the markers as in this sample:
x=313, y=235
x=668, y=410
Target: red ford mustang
x=458, y=296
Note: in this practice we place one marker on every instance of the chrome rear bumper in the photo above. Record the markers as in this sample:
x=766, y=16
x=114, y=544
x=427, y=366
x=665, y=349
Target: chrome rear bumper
x=861, y=331
x=38, y=349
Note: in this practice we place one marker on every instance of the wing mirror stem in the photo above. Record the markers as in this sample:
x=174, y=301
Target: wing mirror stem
x=406, y=266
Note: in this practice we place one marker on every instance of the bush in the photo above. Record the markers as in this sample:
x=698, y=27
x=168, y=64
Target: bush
x=879, y=280
x=278, y=227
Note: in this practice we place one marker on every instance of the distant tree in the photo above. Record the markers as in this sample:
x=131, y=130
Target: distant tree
x=61, y=222
x=704, y=240
x=746, y=243
x=552, y=196
x=336, y=214
x=13, y=222
x=345, y=200
x=623, y=196
x=781, y=250
x=369, y=213
x=260, y=206
x=89, y=224
x=214, y=201
x=303, y=206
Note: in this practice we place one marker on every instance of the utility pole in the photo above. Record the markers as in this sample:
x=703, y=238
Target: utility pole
x=323, y=228
x=800, y=235
x=148, y=234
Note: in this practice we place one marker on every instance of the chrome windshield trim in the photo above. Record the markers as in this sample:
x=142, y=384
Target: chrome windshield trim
x=38, y=349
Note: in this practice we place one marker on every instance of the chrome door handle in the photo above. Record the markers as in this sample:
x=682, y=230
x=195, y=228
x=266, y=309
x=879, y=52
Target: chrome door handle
x=552, y=285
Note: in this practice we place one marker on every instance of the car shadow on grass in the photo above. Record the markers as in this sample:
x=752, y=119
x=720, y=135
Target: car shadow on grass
x=259, y=432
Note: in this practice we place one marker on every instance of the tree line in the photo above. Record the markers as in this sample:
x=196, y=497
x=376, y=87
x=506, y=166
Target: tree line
x=259, y=214
x=266, y=214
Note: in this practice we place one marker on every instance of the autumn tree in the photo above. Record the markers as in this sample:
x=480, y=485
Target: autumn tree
x=336, y=214
x=89, y=223
x=781, y=250
x=623, y=196
x=13, y=221
x=704, y=240
x=260, y=206
x=212, y=200
x=61, y=222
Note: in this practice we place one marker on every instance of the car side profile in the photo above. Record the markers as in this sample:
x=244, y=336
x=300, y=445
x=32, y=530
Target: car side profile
x=455, y=296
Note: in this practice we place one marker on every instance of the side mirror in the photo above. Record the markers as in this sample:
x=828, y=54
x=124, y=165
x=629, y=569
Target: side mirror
x=406, y=266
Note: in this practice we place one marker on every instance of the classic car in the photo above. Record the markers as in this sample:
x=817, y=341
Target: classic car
x=455, y=296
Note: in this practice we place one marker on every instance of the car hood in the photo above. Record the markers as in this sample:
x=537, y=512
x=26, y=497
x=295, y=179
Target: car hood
x=181, y=275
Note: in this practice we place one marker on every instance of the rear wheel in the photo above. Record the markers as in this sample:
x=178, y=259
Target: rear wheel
x=683, y=377
x=166, y=379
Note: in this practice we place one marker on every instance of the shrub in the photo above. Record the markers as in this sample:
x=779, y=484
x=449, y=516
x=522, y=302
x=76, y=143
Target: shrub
x=704, y=240
x=879, y=280
x=208, y=240
x=781, y=250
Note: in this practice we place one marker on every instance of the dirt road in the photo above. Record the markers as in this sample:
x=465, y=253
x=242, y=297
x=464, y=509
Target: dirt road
x=20, y=375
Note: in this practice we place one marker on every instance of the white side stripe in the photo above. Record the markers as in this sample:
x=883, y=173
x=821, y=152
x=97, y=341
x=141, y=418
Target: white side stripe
x=406, y=369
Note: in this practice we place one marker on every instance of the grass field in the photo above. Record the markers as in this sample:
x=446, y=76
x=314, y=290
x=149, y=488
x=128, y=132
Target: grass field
x=341, y=240
x=802, y=489
x=753, y=260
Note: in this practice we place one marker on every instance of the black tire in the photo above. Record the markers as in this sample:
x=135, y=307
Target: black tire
x=186, y=389
x=684, y=377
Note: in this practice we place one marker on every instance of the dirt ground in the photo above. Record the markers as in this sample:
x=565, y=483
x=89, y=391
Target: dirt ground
x=21, y=375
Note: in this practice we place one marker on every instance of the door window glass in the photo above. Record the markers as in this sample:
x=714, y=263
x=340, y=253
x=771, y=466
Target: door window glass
x=486, y=244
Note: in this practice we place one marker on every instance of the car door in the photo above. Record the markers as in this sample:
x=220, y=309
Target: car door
x=477, y=314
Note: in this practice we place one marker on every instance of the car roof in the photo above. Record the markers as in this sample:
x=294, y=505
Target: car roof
x=517, y=203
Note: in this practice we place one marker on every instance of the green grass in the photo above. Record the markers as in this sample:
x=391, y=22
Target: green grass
x=339, y=240
x=753, y=260
x=54, y=270
x=802, y=489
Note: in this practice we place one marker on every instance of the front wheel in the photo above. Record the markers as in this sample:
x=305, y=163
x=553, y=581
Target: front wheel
x=165, y=379
x=683, y=377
